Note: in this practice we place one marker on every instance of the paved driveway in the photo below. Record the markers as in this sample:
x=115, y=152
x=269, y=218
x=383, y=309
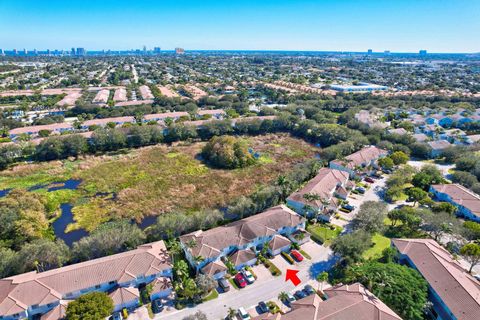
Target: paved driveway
x=264, y=289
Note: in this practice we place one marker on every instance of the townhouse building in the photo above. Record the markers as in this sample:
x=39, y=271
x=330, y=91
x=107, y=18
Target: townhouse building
x=318, y=197
x=240, y=241
x=357, y=162
x=466, y=201
x=454, y=294
x=340, y=302
x=45, y=294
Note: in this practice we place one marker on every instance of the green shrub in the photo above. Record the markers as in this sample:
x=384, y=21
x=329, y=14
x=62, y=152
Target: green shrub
x=287, y=257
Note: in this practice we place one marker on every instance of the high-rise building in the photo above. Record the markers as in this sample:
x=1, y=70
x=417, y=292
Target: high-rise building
x=72, y=52
x=156, y=50
x=25, y=52
x=179, y=50
x=370, y=51
x=1, y=52
x=145, y=50
x=48, y=52
x=387, y=52
x=15, y=52
x=422, y=52
x=35, y=51
x=81, y=52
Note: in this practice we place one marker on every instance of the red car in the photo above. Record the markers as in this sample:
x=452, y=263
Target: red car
x=296, y=255
x=369, y=180
x=240, y=280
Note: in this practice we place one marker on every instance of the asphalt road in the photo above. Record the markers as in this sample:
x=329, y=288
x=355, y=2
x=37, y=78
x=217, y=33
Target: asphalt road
x=263, y=289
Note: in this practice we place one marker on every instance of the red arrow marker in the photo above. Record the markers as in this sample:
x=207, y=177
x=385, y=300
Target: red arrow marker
x=292, y=276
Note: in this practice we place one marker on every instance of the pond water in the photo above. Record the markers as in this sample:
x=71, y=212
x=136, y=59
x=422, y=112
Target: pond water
x=63, y=221
x=60, y=225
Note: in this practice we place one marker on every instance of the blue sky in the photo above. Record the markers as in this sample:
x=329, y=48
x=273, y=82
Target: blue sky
x=348, y=25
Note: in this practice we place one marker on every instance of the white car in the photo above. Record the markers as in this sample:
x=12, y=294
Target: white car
x=243, y=314
x=248, y=276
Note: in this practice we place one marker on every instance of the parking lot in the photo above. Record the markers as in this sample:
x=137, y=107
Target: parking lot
x=265, y=288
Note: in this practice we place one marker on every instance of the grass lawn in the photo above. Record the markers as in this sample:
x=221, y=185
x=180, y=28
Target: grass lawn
x=212, y=295
x=380, y=243
x=233, y=283
x=323, y=233
x=158, y=179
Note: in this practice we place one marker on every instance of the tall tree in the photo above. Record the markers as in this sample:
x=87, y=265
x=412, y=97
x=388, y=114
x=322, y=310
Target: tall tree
x=471, y=253
x=91, y=306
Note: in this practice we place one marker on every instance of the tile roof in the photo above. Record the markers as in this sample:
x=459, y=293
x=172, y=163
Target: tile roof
x=278, y=242
x=211, y=242
x=461, y=195
x=214, y=267
x=345, y=302
x=212, y=112
x=36, y=129
x=361, y=157
x=146, y=92
x=165, y=115
x=124, y=295
x=324, y=184
x=59, y=312
x=439, y=144
x=107, y=120
x=457, y=289
x=120, y=95
x=19, y=292
x=161, y=284
x=133, y=103
x=240, y=257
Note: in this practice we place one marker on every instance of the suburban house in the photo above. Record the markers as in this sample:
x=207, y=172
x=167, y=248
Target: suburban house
x=359, y=160
x=55, y=128
x=240, y=241
x=353, y=302
x=161, y=117
x=420, y=137
x=118, y=121
x=438, y=146
x=121, y=275
x=466, y=201
x=218, y=114
x=145, y=92
x=454, y=293
x=398, y=131
x=318, y=195
x=369, y=119
x=101, y=97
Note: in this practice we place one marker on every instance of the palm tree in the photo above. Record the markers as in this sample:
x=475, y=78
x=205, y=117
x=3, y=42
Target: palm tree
x=231, y=313
x=311, y=197
x=322, y=277
x=285, y=185
x=283, y=296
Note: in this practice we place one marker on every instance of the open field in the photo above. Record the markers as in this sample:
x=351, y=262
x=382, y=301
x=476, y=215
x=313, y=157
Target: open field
x=157, y=179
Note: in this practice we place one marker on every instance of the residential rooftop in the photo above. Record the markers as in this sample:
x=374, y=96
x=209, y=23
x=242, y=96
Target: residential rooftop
x=460, y=195
x=458, y=290
x=19, y=292
x=211, y=242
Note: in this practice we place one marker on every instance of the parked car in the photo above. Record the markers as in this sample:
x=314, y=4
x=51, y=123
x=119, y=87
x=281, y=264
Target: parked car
x=157, y=306
x=360, y=190
x=308, y=289
x=348, y=207
x=248, y=276
x=223, y=283
x=377, y=175
x=262, y=307
x=240, y=280
x=296, y=255
x=369, y=180
x=299, y=294
x=290, y=298
x=116, y=316
x=243, y=314
x=387, y=171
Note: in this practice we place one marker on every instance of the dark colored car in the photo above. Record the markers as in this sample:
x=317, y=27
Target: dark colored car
x=299, y=294
x=157, y=306
x=296, y=255
x=348, y=207
x=240, y=280
x=387, y=171
x=223, y=283
x=360, y=190
x=309, y=290
x=262, y=307
x=116, y=316
x=369, y=180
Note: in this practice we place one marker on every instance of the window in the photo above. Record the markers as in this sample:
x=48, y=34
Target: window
x=69, y=294
x=35, y=306
x=111, y=282
x=97, y=286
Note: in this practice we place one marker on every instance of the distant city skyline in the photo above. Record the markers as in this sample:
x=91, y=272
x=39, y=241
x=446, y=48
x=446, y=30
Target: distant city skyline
x=440, y=26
